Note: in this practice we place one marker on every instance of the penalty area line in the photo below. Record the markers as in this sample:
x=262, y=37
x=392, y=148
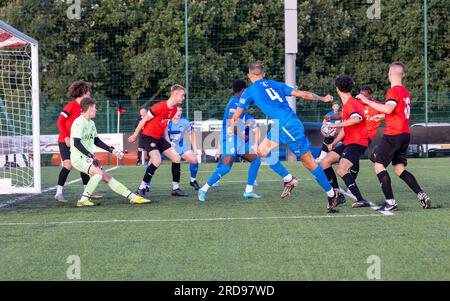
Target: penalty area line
x=28, y=196
x=189, y=220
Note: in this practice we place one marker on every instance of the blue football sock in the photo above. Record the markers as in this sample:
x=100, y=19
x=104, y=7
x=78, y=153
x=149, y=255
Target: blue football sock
x=219, y=173
x=321, y=178
x=279, y=169
x=219, y=163
x=253, y=171
x=193, y=167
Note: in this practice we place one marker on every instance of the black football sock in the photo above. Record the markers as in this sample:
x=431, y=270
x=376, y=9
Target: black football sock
x=85, y=178
x=176, y=172
x=351, y=184
x=149, y=172
x=331, y=176
x=327, y=141
x=63, y=176
x=411, y=181
x=385, y=181
x=354, y=170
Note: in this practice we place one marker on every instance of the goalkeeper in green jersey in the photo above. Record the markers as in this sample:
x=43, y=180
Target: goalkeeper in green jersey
x=83, y=137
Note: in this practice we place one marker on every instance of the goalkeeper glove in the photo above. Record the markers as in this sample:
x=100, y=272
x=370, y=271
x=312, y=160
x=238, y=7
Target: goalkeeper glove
x=118, y=153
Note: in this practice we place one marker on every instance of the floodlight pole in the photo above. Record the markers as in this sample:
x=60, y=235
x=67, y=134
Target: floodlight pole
x=290, y=50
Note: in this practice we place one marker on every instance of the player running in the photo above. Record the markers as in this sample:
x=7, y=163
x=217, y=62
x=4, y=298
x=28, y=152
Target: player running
x=394, y=144
x=175, y=133
x=70, y=112
x=82, y=140
x=235, y=144
x=355, y=143
x=153, y=126
x=270, y=97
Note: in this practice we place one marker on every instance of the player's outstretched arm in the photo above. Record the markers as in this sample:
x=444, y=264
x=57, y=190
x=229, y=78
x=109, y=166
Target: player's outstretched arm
x=116, y=152
x=336, y=116
x=78, y=145
x=382, y=108
x=336, y=140
x=139, y=127
x=311, y=96
x=349, y=122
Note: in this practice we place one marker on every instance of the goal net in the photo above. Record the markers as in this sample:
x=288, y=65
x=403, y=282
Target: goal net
x=19, y=113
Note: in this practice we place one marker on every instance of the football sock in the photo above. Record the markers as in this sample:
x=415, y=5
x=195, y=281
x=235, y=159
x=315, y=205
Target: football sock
x=219, y=163
x=149, y=172
x=219, y=173
x=176, y=172
x=411, y=181
x=331, y=175
x=385, y=181
x=253, y=171
x=90, y=187
x=354, y=170
x=59, y=189
x=351, y=184
x=63, y=176
x=84, y=178
x=193, y=168
x=279, y=169
x=321, y=179
x=205, y=187
x=288, y=178
x=119, y=188
x=249, y=188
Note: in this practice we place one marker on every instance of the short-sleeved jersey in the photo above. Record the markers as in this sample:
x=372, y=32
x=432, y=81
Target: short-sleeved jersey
x=178, y=130
x=398, y=121
x=70, y=112
x=270, y=97
x=161, y=114
x=86, y=131
x=245, y=122
x=372, y=125
x=331, y=113
x=357, y=133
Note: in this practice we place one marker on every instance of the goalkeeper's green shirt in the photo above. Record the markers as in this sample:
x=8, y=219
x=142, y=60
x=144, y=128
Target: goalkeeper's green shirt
x=86, y=131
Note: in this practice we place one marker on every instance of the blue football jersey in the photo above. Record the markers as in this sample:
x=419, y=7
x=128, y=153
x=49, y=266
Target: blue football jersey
x=270, y=97
x=245, y=121
x=331, y=113
x=178, y=130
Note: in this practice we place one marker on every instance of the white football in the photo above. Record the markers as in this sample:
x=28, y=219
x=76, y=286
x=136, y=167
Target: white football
x=327, y=131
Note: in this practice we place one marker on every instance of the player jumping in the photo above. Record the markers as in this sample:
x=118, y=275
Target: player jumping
x=270, y=97
x=235, y=144
x=175, y=133
x=153, y=126
x=394, y=144
x=82, y=140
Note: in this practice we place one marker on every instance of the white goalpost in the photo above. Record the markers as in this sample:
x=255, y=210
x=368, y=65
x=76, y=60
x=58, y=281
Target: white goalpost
x=20, y=160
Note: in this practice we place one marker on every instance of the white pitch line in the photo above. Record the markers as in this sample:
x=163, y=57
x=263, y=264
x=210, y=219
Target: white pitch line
x=25, y=197
x=188, y=220
x=372, y=205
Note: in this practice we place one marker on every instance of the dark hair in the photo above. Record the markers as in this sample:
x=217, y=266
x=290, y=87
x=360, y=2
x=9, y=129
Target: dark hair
x=335, y=103
x=366, y=88
x=86, y=103
x=78, y=89
x=344, y=83
x=239, y=85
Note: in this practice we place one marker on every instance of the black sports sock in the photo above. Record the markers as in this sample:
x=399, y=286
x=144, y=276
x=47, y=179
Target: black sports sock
x=385, y=181
x=176, y=172
x=411, y=181
x=354, y=170
x=327, y=141
x=84, y=178
x=351, y=184
x=149, y=172
x=331, y=176
x=139, y=156
x=63, y=176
